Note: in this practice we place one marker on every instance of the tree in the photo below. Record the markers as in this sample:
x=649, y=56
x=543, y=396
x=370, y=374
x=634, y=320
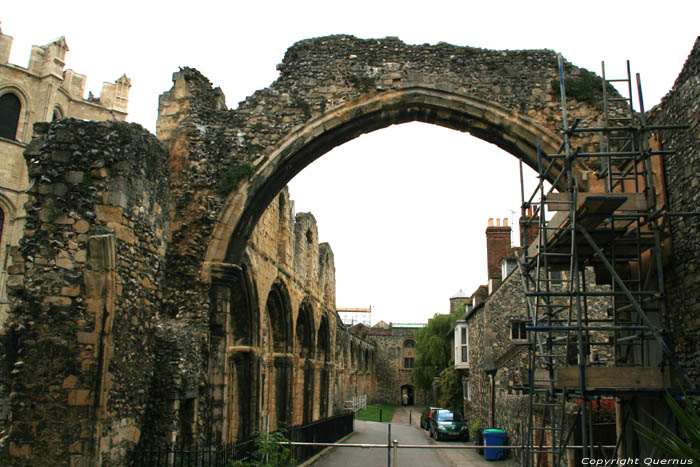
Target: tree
x=451, y=393
x=432, y=350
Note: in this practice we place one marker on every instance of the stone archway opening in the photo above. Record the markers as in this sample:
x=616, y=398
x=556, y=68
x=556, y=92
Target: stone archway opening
x=491, y=123
x=408, y=395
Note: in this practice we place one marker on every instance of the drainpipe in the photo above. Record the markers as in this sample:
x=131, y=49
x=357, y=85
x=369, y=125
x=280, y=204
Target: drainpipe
x=492, y=375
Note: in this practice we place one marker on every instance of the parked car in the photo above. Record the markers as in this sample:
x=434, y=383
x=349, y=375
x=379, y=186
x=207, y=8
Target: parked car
x=449, y=425
x=425, y=417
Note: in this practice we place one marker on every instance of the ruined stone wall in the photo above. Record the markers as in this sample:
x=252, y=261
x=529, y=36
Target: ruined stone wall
x=356, y=368
x=86, y=293
x=681, y=106
x=44, y=94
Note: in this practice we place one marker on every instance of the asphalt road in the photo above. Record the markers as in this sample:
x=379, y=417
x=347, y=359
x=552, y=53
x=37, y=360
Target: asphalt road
x=377, y=433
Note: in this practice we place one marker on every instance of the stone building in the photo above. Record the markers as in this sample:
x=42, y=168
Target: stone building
x=41, y=92
x=396, y=353
x=177, y=295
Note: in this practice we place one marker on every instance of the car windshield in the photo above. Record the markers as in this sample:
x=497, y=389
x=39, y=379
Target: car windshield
x=450, y=417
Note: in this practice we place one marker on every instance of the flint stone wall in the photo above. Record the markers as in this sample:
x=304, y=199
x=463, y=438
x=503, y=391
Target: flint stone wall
x=86, y=292
x=681, y=106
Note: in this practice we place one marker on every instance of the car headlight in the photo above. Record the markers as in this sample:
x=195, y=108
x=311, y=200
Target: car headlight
x=442, y=428
x=464, y=428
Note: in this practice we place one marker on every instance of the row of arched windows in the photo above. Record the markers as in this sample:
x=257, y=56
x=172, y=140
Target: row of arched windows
x=278, y=332
x=358, y=359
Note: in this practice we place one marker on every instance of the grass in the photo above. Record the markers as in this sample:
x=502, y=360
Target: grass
x=371, y=413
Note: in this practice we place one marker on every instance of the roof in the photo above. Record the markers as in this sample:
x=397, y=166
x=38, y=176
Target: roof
x=408, y=325
x=460, y=294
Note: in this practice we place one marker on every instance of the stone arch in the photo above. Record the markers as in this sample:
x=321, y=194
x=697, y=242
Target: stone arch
x=10, y=111
x=20, y=122
x=323, y=340
x=353, y=356
x=486, y=120
x=277, y=342
x=323, y=344
x=57, y=112
x=277, y=332
x=303, y=333
x=234, y=365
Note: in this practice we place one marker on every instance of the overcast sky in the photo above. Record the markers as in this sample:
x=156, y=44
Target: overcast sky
x=404, y=208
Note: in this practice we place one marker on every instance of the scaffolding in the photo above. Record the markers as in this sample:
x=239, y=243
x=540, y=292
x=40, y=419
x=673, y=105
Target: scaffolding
x=593, y=276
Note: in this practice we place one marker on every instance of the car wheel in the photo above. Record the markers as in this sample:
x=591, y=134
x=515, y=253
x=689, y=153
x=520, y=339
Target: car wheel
x=437, y=436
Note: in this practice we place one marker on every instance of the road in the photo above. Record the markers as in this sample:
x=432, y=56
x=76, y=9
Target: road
x=376, y=433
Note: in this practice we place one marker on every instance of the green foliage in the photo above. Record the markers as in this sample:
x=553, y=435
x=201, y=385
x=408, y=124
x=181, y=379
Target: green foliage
x=432, y=350
x=474, y=428
x=234, y=174
x=363, y=83
x=584, y=87
x=668, y=442
x=270, y=451
x=85, y=184
x=451, y=392
x=371, y=413
x=152, y=162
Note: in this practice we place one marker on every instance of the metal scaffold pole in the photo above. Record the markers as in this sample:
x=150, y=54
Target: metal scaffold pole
x=593, y=276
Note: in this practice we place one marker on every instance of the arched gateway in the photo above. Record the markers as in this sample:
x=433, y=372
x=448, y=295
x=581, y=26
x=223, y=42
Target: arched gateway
x=171, y=313
x=336, y=88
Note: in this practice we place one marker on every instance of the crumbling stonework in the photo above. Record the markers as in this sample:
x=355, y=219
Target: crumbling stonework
x=87, y=287
x=42, y=92
x=183, y=300
x=681, y=106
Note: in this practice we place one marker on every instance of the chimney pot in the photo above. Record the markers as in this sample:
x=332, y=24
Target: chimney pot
x=505, y=222
x=491, y=222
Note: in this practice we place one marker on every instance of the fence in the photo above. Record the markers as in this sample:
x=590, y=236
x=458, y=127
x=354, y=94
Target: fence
x=325, y=432
x=357, y=403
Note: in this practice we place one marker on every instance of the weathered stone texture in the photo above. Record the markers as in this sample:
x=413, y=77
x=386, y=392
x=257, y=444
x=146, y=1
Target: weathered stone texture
x=681, y=106
x=89, y=292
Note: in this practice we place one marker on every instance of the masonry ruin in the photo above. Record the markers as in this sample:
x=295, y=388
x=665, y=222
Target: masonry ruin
x=181, y=298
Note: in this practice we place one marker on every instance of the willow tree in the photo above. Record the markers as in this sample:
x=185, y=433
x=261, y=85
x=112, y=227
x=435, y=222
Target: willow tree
x=432, y=350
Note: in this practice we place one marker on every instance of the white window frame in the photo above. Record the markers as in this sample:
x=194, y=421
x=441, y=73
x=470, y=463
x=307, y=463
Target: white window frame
x=461, y=330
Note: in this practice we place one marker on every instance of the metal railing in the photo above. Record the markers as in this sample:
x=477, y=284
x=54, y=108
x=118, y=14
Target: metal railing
x=305, y=442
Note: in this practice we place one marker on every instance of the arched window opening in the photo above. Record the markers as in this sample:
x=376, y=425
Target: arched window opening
x=304, y=327
x=324, y=341
x=277, y=321
x=10, y=108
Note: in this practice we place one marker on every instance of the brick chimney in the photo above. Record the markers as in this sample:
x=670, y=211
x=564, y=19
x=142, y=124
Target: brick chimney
x=497, y=246
x=531, y=225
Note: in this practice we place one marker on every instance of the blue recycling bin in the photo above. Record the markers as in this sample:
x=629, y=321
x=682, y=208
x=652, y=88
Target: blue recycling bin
x=494, y=437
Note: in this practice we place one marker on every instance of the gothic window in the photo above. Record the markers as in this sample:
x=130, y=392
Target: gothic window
x=324, y=341
x=10, y=108
x=278, y=326
x=304, y=340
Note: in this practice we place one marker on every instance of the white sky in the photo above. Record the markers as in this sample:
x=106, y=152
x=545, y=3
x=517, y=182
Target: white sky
x=404, y=208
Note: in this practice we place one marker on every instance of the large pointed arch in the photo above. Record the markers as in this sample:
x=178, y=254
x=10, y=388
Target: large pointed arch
x=489, y=121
